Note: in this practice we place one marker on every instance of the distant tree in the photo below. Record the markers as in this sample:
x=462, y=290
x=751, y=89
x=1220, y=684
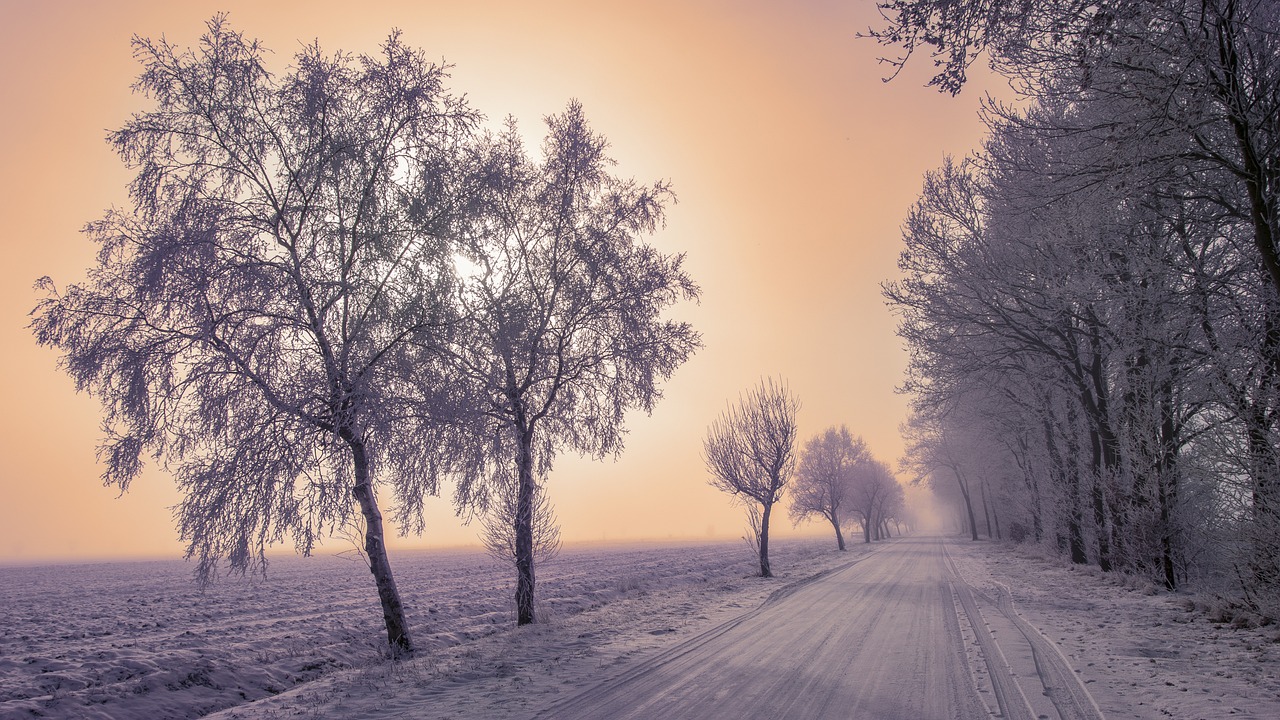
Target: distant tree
x=750, y=451
x=822, y=478
x=933, y=455
x=560, y=330
x=871, y=492
x=893, y=505
x=248, y=320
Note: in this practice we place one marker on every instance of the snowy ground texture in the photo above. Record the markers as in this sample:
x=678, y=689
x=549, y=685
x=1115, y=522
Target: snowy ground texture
x=138, y=640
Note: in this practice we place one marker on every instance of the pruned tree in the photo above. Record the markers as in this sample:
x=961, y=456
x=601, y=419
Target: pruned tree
x=750, y=451
x=248, y=319
x=823, y=477
x=561, y=327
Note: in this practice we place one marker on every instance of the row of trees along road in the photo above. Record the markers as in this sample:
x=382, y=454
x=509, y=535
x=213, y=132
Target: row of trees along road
x=331, y=281
x=750, y=451
x=1092, y=302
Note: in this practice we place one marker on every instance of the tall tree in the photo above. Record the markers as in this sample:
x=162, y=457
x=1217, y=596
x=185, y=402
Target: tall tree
x=248, y=320
x=1205, y=73
x=750, y=451
x=560, y=330
x=822, y=483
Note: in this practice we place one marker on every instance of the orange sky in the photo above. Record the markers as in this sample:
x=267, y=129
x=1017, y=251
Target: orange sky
x=794, y=166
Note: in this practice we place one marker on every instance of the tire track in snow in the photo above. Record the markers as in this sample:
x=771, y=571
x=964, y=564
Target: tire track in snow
x=583, y=702
x=1061, y=685
x=1013, y=703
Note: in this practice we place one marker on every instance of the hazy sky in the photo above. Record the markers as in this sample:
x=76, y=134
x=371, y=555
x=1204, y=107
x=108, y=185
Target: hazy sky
x=793, y=162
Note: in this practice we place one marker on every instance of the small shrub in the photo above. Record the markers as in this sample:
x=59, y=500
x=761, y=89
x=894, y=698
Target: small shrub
x=1018, y=532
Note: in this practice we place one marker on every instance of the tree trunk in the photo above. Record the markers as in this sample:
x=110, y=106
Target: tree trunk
x=866, y=528
x=524, y=530
x=375, y=548
x=764, y=541
x=1167, y=481
x=1099, y=501
x=1071, y=476
x=986, y=509
x=835, y=523
x=968, y=505
x=1075, y=519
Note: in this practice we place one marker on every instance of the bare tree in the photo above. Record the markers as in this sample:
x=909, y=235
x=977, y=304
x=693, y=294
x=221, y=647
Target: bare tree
x=822, y=479
x=247, y=321
x=560, y=330
x=750, y=451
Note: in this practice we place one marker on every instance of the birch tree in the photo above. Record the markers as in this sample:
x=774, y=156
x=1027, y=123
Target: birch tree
x=561, y=329
x=247, y=323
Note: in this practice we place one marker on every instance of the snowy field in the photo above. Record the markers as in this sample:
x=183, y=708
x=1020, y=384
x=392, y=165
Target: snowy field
x=138, y=640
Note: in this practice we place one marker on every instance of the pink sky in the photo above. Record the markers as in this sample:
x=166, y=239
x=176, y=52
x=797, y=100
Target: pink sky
x=793, y=162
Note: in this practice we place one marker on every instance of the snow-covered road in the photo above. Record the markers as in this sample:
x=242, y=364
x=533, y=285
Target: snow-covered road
x=893, y=634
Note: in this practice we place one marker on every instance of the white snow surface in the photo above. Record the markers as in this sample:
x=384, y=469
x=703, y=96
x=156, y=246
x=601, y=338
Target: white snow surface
x=140, y=640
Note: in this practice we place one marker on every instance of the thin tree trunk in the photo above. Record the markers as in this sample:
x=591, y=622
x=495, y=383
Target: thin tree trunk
x=986, y=509
x=764, y=541
x=1167, y=482
x=995, y=515
x=1099, y=502
x=835, y=523
x=968, y=505
x=376, y=550
x=1075, y=494
x=524, y=530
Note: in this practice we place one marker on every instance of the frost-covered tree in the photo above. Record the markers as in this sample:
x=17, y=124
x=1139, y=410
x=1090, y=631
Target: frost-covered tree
x=873, y=493
x=823, y=476
x=498, y=527
x=750, y=452
x=1184, y=89
x=561, y=328
x=248, y=322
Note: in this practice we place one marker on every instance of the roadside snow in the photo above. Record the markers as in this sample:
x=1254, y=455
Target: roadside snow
x=1141, y=652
